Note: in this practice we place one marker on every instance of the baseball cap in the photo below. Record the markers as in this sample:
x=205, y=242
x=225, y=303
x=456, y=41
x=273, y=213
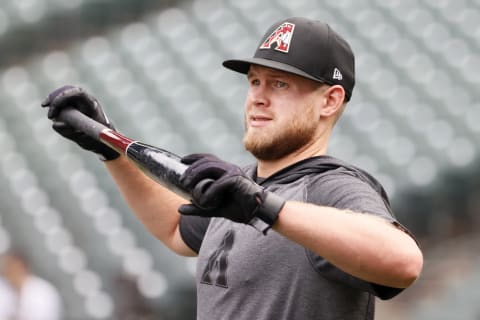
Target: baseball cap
x=304, y=47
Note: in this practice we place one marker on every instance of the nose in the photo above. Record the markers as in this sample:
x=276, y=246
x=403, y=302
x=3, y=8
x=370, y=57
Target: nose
x=258, y=97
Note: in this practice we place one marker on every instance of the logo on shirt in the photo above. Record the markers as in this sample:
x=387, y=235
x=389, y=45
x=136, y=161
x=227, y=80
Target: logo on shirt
x=215, y=272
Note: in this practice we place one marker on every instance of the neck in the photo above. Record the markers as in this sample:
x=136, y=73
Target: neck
x=266, y=168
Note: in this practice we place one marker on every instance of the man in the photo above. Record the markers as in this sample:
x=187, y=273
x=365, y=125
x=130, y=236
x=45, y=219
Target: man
x=25, y=295
x=299, y=234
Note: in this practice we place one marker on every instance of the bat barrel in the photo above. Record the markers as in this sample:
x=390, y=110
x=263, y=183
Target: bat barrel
x=161, y=165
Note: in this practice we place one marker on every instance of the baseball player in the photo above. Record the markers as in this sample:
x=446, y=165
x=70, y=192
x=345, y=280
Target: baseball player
x=296, y=235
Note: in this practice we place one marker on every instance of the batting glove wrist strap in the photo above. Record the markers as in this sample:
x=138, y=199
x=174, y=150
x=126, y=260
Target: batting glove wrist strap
x=267, y=211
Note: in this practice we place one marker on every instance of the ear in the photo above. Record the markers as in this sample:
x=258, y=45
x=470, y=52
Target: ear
x=334, y=99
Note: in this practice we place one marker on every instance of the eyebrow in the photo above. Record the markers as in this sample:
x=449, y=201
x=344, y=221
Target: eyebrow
x=270, y=73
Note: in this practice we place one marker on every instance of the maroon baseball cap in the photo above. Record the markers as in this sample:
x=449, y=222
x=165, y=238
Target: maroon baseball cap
x=304, y=47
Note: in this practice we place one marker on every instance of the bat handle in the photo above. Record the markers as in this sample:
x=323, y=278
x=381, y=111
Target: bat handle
x=81, y=122
x=94, y=129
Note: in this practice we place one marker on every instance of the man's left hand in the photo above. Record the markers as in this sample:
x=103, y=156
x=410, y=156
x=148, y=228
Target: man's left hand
x=230, y=194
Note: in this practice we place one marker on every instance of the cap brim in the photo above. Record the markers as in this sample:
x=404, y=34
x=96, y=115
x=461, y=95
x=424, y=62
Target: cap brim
x=243, y=66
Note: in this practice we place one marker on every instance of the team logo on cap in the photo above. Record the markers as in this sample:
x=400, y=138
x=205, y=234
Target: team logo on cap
x=281, y=37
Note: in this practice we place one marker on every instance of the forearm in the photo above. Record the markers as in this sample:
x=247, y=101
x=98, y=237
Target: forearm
x=155, y=206
x=362, y=245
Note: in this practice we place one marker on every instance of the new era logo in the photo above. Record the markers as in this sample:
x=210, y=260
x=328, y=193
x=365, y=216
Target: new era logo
x=282, y=36
x=337, y=74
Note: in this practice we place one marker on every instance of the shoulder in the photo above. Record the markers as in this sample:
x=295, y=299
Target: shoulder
x=347, y=188
x=39, y=286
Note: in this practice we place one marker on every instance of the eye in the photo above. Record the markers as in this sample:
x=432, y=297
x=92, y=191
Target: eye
x=254, y=82
x=280, y=84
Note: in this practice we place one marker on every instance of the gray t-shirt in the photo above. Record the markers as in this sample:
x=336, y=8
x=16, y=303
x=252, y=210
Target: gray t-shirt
x=243, y=274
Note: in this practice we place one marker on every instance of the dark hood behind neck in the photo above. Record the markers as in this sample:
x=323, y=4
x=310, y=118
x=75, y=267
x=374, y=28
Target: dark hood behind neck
x=319, y=164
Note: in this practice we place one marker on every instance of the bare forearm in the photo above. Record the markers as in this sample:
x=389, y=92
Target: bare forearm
x=155, y=206
x=362, y=245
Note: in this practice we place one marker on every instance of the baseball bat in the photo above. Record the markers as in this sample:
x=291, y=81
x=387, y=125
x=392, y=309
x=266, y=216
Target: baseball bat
x=159, y=164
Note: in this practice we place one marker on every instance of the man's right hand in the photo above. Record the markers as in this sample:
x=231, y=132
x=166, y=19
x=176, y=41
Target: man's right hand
x=77, y=98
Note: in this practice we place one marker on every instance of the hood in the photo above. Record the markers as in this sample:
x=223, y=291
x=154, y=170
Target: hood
x=316, y=165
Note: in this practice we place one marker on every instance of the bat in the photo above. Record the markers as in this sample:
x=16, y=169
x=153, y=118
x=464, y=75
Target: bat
x=161, y=165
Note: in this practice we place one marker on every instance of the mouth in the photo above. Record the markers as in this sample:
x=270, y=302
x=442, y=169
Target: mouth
x=259, y=120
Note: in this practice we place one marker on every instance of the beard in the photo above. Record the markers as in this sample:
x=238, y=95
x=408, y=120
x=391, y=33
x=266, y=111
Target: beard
x=283, y=139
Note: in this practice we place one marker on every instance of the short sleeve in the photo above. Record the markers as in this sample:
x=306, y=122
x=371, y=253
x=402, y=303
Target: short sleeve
x=332, y=273
x=192, y=230
x=342, y=189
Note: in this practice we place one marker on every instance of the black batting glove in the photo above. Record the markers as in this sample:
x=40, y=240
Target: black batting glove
x=229, y=193
x=77, y=98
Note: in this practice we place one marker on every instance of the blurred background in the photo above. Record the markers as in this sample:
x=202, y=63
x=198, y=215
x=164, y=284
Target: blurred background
x=155, y=66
